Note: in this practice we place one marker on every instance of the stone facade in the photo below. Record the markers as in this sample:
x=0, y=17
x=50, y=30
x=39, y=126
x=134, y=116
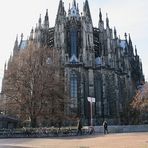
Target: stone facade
x=97, y=63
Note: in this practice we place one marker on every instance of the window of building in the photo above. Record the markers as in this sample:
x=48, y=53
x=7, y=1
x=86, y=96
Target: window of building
x=73, y=85
x=73, y=39
x=49, y=60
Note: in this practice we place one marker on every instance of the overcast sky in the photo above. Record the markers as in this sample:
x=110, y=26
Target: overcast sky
x=19, y=16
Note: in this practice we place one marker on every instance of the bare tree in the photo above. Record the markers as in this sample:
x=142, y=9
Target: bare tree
x=139, y=105
x=35, y=85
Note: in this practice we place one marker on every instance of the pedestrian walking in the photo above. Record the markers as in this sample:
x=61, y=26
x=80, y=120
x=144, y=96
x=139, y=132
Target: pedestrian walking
x=105, y=127
x=79, y=127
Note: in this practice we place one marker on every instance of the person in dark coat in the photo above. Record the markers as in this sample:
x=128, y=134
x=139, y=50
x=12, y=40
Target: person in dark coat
x=79, y=127
x=105, y=127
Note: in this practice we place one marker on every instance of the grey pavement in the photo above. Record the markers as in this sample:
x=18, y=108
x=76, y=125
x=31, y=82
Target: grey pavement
x=122, y=140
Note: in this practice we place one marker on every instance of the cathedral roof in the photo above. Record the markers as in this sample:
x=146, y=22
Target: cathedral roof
x=123, y=44
x=23, y=44
x=74, y=10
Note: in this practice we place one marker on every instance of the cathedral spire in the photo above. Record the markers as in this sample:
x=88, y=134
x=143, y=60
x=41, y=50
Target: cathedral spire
x=115, y=33
x=69, y=9
x=100, y=15
x=61, y=11
x=21, y=40
x=15, y=49
x=77, y=8
x=74, y=11
x=130, y=46
x=107, y=21
x=36, y=27
x=125, y=35
x=101, y=22
x=74, y=3
x=9, y=62
x=40, y=21
x=16, y=40
x=46, y=20
x=5, y=67
x=22, y=36
x=86, y=10
x=136, y=50
x=31, y=34
x=130, y=41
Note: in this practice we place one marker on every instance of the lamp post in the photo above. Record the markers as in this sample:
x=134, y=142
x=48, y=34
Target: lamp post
x=91, y=100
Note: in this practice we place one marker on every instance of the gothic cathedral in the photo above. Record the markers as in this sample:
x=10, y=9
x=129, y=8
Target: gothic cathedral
x=97, y=62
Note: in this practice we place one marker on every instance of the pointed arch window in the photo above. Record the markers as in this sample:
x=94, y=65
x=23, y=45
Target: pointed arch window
x=73, y=41
x=73, y=85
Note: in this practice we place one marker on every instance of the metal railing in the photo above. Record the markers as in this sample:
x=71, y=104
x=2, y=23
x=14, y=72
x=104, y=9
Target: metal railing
x=43, y=132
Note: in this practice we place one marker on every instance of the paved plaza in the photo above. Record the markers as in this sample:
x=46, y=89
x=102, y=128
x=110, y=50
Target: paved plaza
x=123, y=140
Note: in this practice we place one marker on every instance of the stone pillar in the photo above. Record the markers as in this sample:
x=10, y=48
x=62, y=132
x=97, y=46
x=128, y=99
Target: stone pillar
x=117, y=99
x=91, y=89
x=91, y=82
x=103, y=95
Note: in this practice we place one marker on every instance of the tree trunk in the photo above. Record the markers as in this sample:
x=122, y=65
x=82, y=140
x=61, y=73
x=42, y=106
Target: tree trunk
x=33, y=122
